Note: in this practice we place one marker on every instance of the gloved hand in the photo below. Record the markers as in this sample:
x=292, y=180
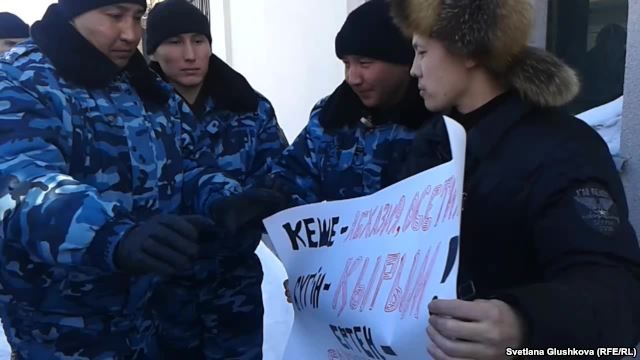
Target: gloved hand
x=238, y=220
x=165, y=244
x=247, y=209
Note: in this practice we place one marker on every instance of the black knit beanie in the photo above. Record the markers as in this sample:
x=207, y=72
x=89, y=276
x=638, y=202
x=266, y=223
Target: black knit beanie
x=11, y=27
x=369, y=31
x=172, y=18
x=73, y=8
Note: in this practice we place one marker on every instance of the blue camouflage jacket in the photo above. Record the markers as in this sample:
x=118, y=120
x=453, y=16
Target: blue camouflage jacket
x=344, y=149
x=86, y=151
x=216, y=311
x=238, y=126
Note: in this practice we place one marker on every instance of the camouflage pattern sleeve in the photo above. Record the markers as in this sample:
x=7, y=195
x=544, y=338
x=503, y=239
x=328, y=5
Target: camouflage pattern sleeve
x=297, y=171
x=271, y=142
x=231, y=308
x=204, y=180
x=216, y=312
x=56, y=218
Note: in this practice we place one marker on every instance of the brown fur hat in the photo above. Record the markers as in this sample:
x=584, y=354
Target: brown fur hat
x=496, y=34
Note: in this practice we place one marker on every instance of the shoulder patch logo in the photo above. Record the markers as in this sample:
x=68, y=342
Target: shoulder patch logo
x=596, y=208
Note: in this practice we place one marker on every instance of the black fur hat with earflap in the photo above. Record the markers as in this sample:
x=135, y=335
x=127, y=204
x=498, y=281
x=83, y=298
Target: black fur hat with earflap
x=496, y=34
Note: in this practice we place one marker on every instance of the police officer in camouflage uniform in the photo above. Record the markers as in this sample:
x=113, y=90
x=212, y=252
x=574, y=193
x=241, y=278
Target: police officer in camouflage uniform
x=101, y=171
x=368, y=121
x=217, y=311
x=12, y=31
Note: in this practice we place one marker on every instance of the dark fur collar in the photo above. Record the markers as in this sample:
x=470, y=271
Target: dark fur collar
x=344, y=108
x=79, y=62
x=230, y=90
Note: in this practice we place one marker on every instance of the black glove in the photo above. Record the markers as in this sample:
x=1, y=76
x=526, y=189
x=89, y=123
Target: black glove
x=165, y=244
x=238, y=220
x=247, y=209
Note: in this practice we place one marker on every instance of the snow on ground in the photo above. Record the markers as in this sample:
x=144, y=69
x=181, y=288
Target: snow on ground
x=5, y=351
x=278, y=316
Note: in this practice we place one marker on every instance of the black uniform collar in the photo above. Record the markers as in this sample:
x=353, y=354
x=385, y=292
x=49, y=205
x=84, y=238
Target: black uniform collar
x=470, y=120
x=344, y=108
x=79, y=62
x=488, y=124
x=227, y=87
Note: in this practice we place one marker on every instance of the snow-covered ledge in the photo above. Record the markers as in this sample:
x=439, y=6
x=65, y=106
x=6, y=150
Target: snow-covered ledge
x=606, y=119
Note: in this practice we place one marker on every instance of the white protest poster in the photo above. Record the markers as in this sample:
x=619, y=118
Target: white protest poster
x=363, y=271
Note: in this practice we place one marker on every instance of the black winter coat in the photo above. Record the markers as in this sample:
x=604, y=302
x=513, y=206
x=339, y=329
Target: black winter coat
x=545, y=223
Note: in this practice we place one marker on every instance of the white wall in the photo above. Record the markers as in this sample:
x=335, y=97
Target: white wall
x=539, y=35
x=28, y=10
x=285, y=48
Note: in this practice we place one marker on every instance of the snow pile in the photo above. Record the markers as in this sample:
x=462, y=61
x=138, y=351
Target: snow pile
x=607, y=121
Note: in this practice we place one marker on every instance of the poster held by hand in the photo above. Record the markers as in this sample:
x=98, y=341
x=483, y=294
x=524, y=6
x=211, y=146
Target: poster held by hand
x=362, y=271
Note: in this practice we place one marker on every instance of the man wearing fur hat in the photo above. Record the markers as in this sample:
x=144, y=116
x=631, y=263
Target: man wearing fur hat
x=366, y=123
x=99, y=170
x=546, y=243
x=217, y=311
x=12, y=31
